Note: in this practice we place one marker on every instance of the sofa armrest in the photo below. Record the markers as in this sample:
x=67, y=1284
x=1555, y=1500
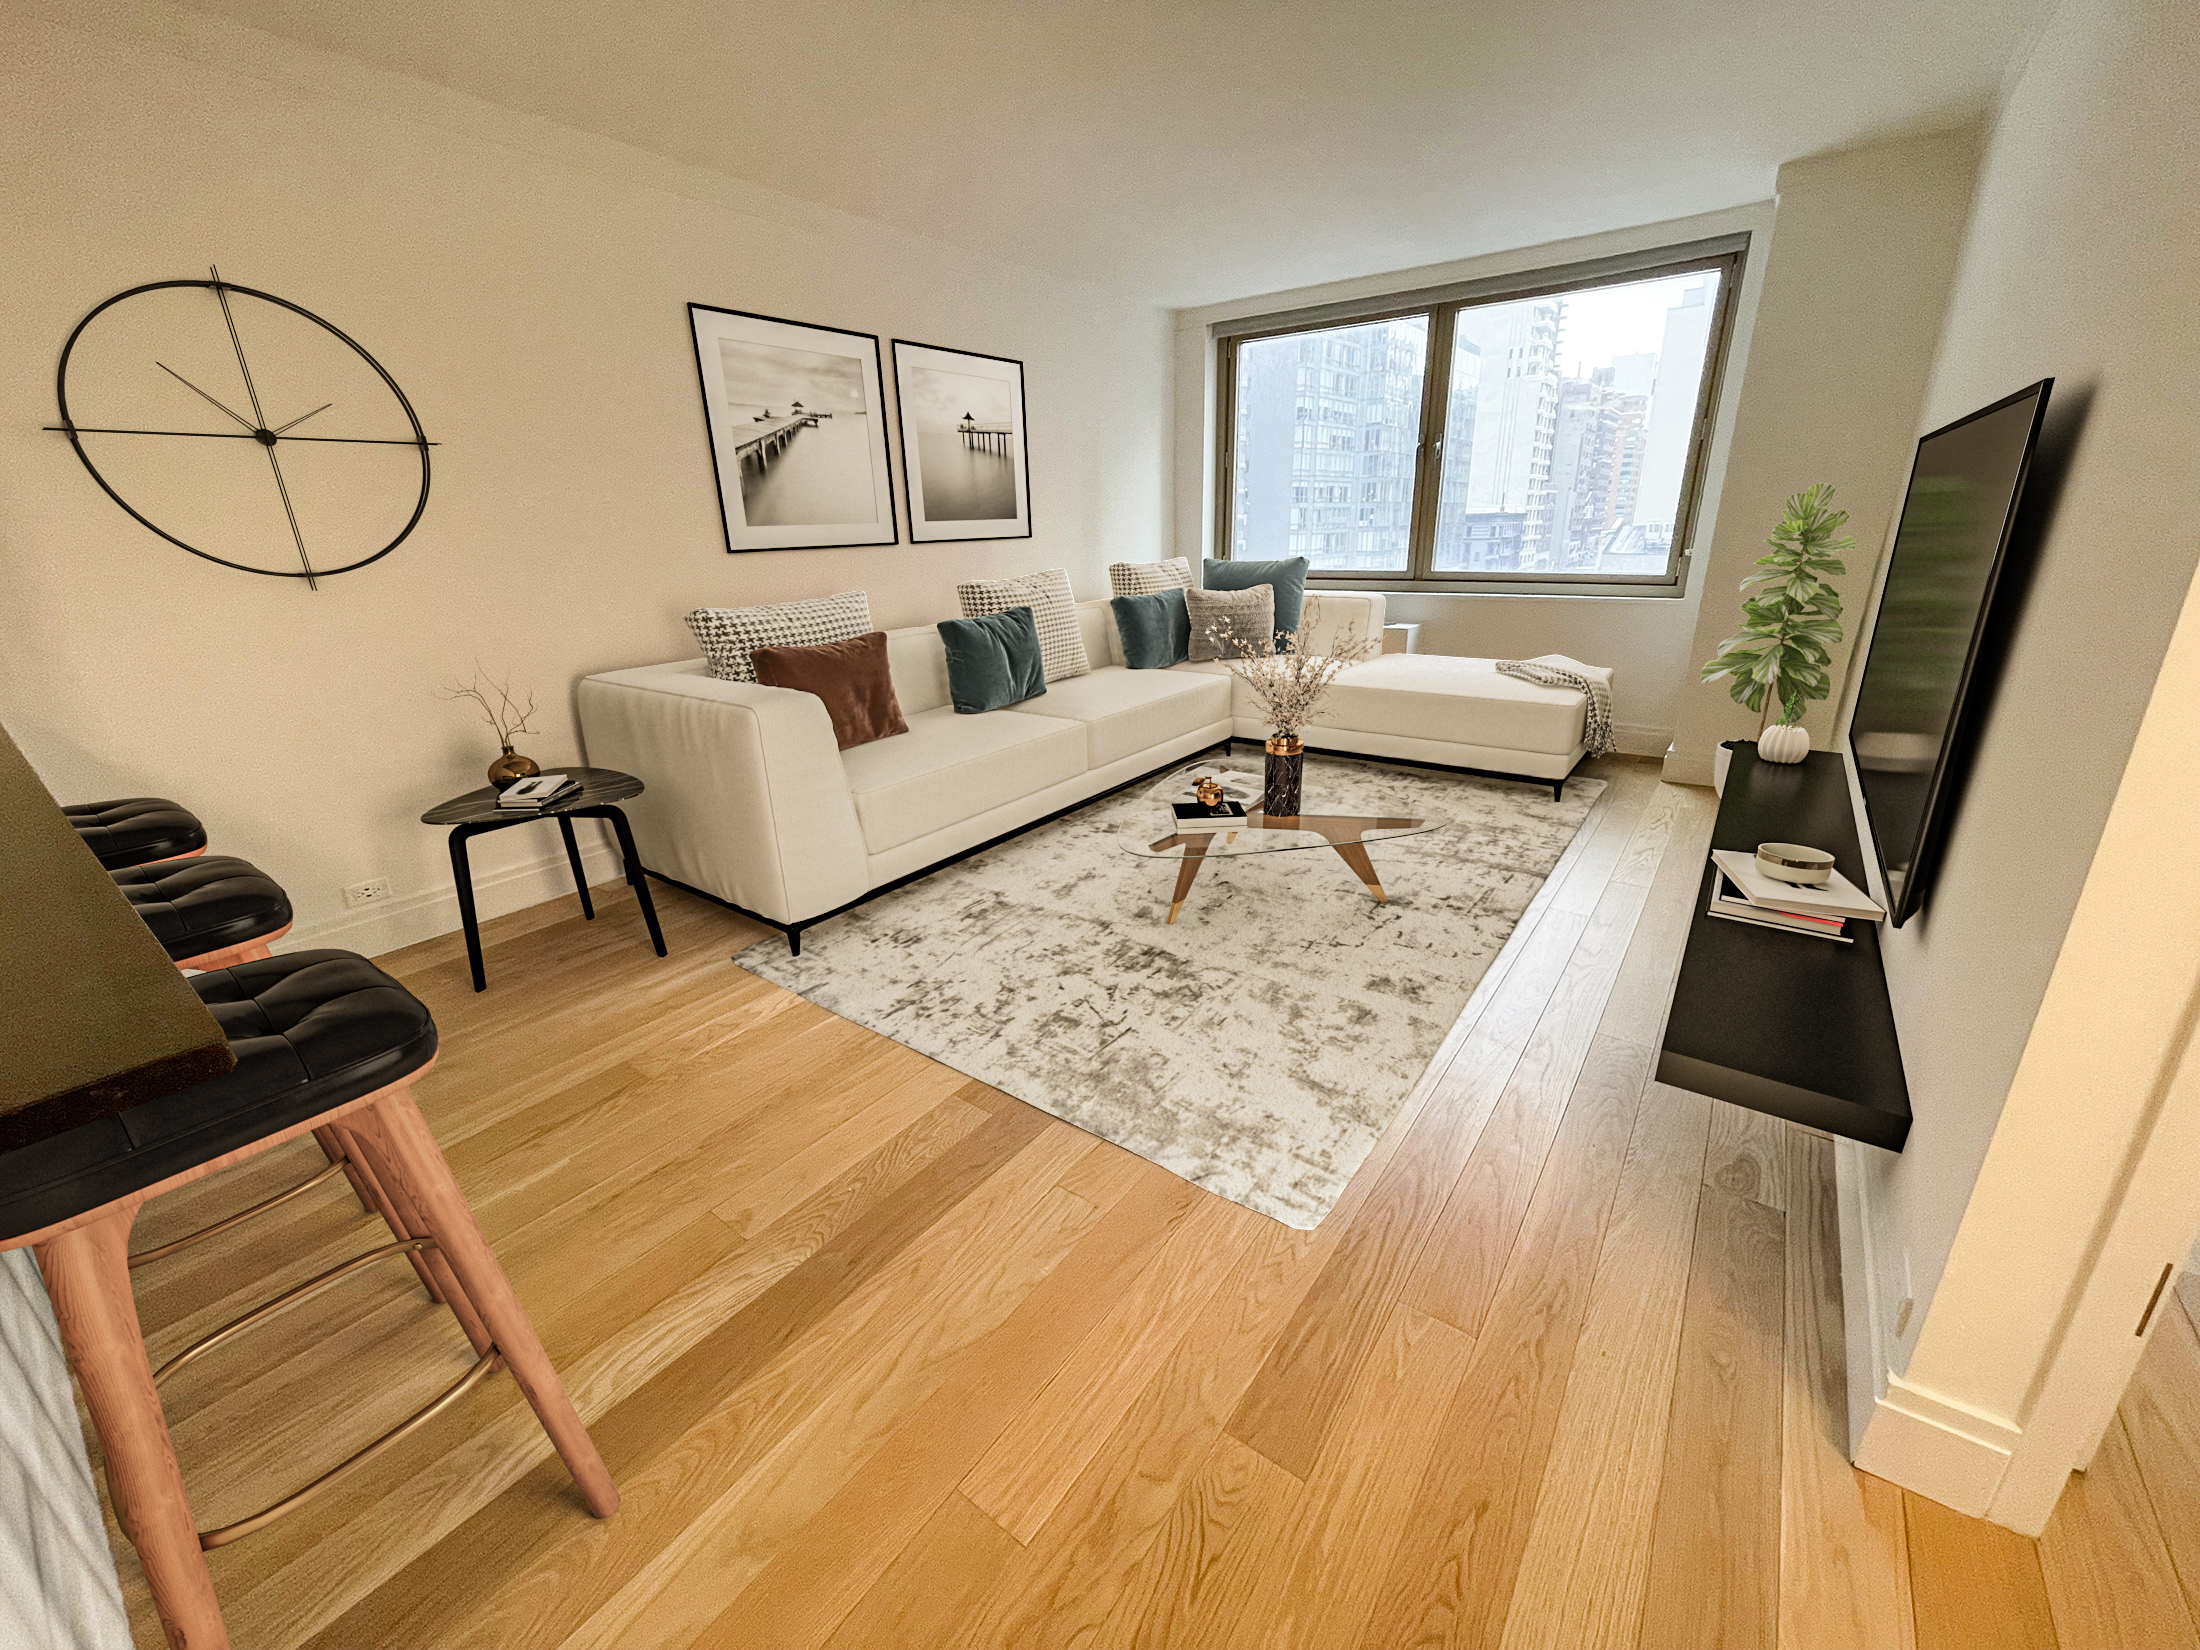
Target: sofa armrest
x=746, y=795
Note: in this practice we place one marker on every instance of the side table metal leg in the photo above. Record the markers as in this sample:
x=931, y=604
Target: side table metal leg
x=573, y=858
x=462, y=873
x=637, y=876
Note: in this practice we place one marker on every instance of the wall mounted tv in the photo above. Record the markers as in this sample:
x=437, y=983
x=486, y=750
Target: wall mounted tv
x=1919, y=703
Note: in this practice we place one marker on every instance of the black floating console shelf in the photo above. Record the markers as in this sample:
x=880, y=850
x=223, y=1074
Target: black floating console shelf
x=1785, y=1023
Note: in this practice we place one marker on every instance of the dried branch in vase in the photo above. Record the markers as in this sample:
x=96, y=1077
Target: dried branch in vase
x=1292, y=682
x=507, y=716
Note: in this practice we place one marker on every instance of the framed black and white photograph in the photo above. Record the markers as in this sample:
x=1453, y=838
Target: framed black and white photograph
x=962, y=444
x=797, y=420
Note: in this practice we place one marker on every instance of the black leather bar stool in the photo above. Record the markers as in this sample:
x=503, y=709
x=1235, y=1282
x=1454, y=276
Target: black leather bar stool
x=208, y=912
x=324, y=1041
x=136, y=830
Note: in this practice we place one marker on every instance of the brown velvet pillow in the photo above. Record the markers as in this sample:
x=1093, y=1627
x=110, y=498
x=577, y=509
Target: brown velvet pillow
x=850, y=676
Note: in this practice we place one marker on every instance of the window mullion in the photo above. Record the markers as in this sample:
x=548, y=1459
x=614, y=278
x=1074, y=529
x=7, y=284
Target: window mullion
x=1428, y=458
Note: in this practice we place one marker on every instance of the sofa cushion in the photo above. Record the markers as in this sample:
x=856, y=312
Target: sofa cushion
x=850, y=677
x=1461, y=701
x=1155, y=629
x=949, y=767
x=993, y=660
x=728, y=635
x=1286, y=576
x=1230, y=624
x=1128, y=711
x=1053, y=608
x=1142, y=578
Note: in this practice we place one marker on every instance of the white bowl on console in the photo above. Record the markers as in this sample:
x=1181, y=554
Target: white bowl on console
x=1792, y=862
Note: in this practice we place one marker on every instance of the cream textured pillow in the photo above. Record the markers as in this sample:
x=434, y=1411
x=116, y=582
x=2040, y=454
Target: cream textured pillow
x=1231, y=624
x=728, y=635
x=1061, y=642
x=1143, y=578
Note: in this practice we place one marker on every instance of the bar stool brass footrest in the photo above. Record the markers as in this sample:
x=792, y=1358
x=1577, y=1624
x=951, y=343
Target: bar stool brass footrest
x=489, y=1363
x=289, y=1298
x=145, y=1257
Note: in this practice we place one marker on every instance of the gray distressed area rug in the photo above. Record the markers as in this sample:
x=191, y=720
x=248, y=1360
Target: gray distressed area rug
x=1260, y=1045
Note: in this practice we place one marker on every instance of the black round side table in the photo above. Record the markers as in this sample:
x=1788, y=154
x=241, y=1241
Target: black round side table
x=477, y=812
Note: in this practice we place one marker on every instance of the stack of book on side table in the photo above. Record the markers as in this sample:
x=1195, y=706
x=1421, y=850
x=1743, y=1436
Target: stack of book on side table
x=539, y=791
x=1742, y=893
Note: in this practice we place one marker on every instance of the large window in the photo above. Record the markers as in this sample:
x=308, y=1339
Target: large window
x=1552, y=432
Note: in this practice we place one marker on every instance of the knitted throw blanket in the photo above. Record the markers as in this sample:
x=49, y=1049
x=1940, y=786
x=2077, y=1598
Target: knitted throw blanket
x=1596, y=722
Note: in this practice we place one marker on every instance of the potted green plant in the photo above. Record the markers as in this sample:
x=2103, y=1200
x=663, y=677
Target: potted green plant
x=1791, y=620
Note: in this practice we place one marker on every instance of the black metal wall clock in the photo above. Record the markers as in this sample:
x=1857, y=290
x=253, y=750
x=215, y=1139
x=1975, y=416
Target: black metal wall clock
x=184, y=399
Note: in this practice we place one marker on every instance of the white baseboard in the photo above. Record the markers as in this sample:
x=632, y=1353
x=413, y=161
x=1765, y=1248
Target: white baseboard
x=1937, y=1447
x=432, y=911
x=1685, y=770
x=1637, y=739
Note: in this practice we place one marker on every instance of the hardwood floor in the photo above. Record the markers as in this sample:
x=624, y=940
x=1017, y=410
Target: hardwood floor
x=881, y=1357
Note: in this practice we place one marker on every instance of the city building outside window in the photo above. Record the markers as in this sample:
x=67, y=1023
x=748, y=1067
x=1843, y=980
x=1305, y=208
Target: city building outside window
x=1549, y=431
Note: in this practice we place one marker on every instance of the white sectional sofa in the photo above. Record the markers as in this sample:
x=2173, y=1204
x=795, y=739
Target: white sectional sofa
x=750, y=801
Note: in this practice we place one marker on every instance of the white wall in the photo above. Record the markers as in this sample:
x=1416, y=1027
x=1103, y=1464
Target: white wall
x=1855, y=287
x=526, y=285
x=1644, y=639
x=2080, y=263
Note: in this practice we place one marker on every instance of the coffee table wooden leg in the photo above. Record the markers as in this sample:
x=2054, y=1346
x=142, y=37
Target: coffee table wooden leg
x=1354, y=854
x=1195, y=855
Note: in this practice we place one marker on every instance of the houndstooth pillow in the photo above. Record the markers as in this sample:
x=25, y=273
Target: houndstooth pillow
x=1143, y=578
x=1061, y=642
x=728, y=635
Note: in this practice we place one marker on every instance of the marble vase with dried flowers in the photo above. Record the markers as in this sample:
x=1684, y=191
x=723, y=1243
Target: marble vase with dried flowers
x=1292, y=683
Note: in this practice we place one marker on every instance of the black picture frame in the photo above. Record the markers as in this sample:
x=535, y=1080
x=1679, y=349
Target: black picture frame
x=757, y=340
x=1002, y=433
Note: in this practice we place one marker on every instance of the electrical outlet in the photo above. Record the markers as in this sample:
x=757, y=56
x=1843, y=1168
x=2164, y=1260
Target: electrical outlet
x=371, y=892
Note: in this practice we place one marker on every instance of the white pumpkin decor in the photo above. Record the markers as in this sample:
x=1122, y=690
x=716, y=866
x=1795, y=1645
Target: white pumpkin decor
x=1783, y=742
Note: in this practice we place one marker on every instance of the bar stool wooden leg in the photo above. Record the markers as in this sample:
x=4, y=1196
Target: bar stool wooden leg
x=338, y=1149
x=411, y=1167
x=333, y=1149
x=87, y=1273
x=405, y=1220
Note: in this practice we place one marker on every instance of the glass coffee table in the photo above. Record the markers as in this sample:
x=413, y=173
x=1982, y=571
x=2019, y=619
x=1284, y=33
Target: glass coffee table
x=1312, y=827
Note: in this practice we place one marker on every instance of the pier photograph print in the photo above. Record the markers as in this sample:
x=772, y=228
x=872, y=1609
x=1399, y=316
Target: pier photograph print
x=962, y=444
x=797, y=418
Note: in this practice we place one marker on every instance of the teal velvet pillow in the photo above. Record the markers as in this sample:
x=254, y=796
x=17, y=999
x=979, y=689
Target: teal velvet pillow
x=1155, y=628
x=1287, y=577
x=993, y=660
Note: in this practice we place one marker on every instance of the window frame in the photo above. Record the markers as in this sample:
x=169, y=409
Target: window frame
x=1727, y=254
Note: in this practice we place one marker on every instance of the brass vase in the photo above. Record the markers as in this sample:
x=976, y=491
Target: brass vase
x=1286, y=771
x=510, y=768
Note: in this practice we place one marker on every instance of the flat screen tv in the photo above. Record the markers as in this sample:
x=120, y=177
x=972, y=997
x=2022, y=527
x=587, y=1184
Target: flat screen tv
x=1918, y=704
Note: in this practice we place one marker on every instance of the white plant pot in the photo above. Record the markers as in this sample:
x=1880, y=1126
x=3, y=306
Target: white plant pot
x=1783, y=742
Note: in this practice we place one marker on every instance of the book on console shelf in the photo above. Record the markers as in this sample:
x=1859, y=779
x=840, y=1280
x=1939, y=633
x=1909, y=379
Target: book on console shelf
x=1740, y=892
x=1839, y=898
x=1730, y=902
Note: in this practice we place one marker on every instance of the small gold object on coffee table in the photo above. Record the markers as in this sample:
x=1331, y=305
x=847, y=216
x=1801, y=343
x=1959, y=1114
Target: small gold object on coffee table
x=1209, y=791
x=1257, y=833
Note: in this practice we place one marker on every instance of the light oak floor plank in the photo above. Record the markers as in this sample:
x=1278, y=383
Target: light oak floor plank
x=1844, y=1571
x=2107, y=1568
x=1974, y=1585
x=1582, y=1577
x=1715, y=1557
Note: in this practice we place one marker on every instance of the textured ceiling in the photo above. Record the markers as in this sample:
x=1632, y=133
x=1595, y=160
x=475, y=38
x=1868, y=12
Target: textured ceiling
x=1211, y=149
